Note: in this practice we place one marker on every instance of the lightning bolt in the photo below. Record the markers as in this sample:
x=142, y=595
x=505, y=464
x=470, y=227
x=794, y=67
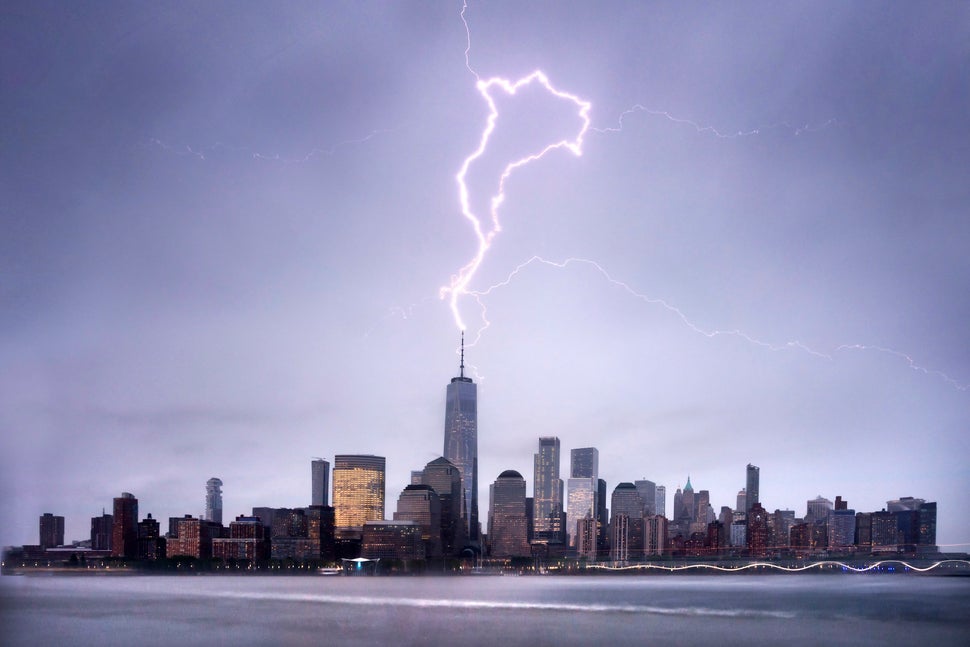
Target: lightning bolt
x=459, y=282
x=485, y=234
x=796, y=345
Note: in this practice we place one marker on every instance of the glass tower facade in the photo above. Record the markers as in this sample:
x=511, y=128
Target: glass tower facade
x=320, y=482
x=583, y=488
x=752, y=488
x=461, y=443
x=648, y=494
x=547, y=493
x=358, y=491
x=584, y=463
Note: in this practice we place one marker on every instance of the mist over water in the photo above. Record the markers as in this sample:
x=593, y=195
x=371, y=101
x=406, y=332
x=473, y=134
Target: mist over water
x=758, y=610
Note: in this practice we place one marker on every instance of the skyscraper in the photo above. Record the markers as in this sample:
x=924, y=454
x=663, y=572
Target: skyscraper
x=817, y=509
x=756, y=533
x=507, y=519
x=358, y=491
x=648, y=493
x=584, y=463
x=626, y=500
x=101, y=530
x=688, y=506
x=583, y=488
x=927, y=527
x=213, y=500
x=421, y=504
x=751, y=496
x=702, y=507
x=319, y=482
x=124, y=526
x=626, y=522
x=547, y=493
x=655, y=535
x=661, y=508
x=461, y=441
x=752, y=490
x=602, y=519
x=151, y=544
x=51, y=530
x=445, y=479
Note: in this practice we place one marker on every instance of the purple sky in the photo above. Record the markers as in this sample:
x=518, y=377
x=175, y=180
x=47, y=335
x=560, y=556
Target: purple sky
x=223, y=228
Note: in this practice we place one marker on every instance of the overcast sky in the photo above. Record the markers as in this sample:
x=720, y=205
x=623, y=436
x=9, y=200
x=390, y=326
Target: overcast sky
x=224, y=226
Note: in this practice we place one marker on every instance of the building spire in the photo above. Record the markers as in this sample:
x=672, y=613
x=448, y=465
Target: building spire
x=461, y=366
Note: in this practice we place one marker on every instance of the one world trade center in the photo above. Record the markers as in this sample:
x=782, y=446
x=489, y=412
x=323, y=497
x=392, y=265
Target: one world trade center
x=461, y=442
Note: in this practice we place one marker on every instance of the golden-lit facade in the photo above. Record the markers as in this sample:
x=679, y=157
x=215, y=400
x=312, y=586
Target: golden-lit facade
x=358, y=491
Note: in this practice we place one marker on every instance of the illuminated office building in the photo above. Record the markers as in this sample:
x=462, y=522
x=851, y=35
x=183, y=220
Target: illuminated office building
x=246, y=541
x=927, y=527
x=841, y=526
x=392, y=540
x=151, y=544
x=757, y=531
x=884, y=535
x=358, y=491
x=191, y=537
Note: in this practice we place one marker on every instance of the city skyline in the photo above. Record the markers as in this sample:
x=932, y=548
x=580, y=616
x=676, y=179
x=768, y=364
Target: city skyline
x=224, y=257
x=616, y=532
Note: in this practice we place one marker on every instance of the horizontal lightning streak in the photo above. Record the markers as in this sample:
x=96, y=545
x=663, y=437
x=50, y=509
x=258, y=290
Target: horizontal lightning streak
x=711, y=130
x=478, y=295
x=909, y=360
x=643, y=297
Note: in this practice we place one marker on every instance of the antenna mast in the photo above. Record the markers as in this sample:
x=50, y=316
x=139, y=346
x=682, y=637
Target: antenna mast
x=462, y=365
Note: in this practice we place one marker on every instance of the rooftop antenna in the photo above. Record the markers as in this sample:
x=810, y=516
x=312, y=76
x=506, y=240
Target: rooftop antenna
x=462, y=365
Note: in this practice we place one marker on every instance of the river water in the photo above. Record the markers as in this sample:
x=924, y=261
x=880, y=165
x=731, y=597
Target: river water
x=872, y=609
